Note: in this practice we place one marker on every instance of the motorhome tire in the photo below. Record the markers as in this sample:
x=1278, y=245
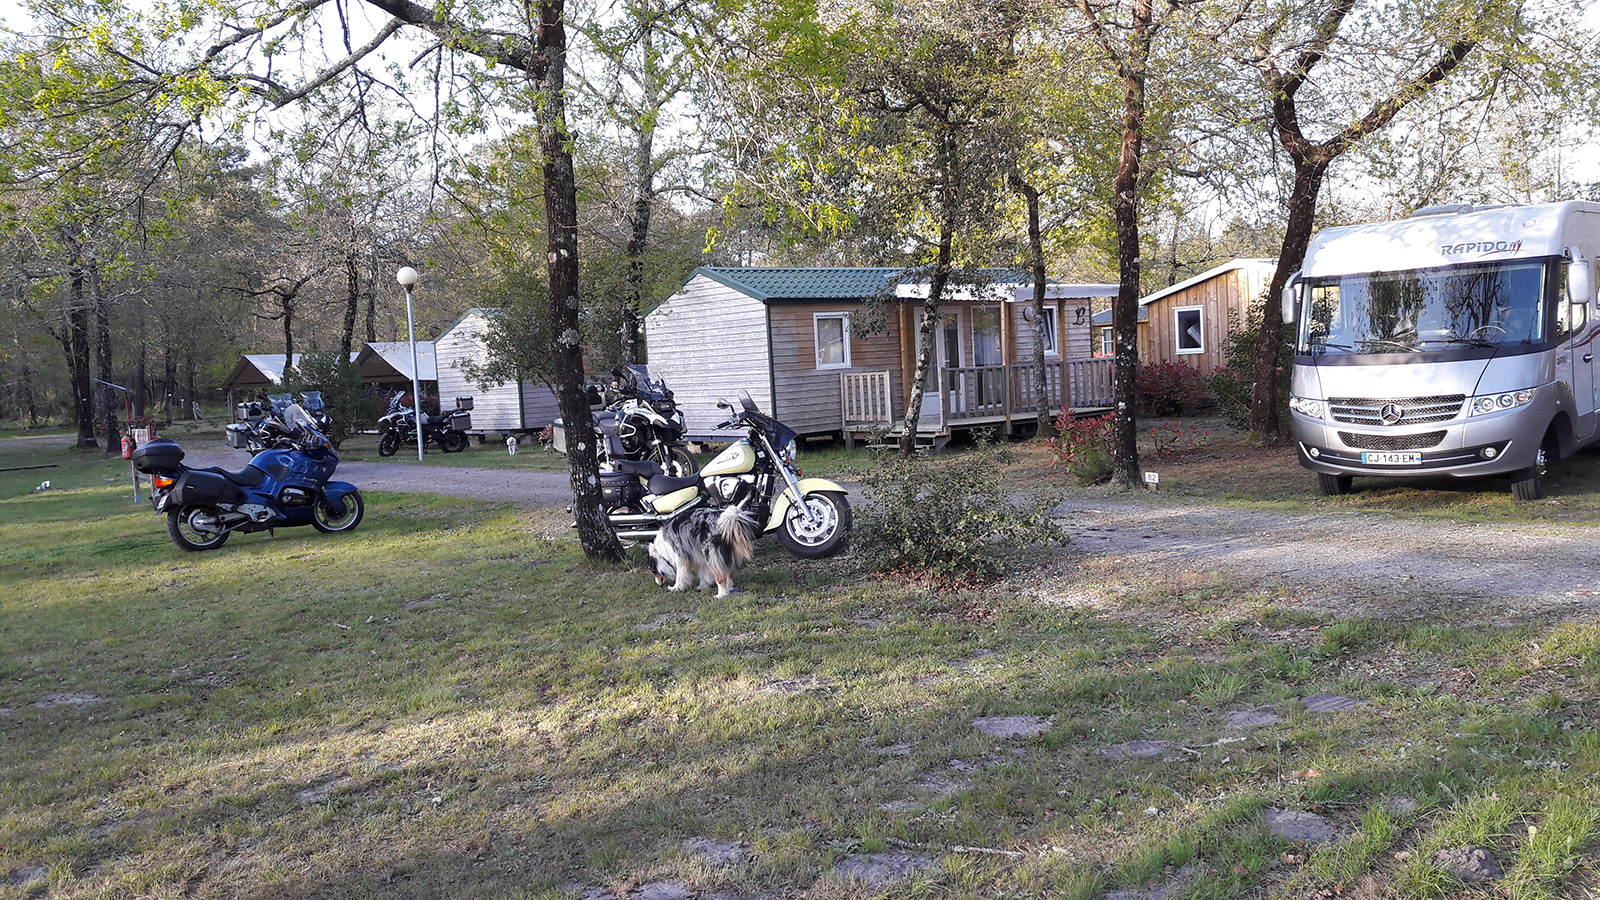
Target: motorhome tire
x=188, y=538
x=1334, y=485
x=1528, y=484
x=388, y=443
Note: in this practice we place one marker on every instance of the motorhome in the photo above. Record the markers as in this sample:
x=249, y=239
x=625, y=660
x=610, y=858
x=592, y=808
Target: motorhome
x=1458, y=341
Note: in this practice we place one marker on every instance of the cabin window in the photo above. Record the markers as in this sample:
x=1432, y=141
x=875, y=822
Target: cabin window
x=1190, y=328
x=1108, y=346
x=833, y=340
x=1047, y=329
x=986, y=336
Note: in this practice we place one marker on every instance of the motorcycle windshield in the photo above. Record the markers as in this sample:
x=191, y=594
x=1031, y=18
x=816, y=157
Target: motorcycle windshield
x=647, y=383
x=312, y=400
x=280, y=402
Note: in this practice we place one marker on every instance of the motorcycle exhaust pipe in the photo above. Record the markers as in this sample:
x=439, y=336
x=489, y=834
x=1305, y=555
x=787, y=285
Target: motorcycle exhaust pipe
x=636, y=521
x=638, y=535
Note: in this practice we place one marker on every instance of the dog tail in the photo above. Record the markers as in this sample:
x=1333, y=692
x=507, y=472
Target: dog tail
x=738, y=527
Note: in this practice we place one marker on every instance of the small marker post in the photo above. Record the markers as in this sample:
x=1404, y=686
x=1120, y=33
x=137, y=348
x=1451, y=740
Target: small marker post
x=1152, y=480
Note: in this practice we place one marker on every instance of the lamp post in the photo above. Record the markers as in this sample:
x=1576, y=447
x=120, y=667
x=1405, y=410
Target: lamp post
x=408, y=278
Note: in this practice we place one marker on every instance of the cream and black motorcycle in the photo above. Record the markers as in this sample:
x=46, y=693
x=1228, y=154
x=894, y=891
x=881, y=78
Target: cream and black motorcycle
x=810, y=515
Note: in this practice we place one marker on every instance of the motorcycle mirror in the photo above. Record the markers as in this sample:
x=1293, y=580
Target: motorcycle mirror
x=722, y=403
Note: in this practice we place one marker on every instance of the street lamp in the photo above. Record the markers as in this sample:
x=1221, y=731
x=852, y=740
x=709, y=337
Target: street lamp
x=408, y=278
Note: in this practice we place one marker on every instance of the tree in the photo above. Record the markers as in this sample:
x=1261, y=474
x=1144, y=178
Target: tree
x=1299, y=41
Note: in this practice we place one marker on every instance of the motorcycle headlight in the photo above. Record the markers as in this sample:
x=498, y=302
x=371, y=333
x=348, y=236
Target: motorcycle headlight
x=790, y=451
x=1307, y=407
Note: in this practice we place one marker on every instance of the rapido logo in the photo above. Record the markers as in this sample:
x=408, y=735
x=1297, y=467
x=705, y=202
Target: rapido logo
x=1481, y=248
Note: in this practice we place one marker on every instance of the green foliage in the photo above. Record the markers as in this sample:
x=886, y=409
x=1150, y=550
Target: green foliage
x=1170, y=389
x=352, y=407
x=517, y=340
x=1233, y=385
x=1083, y=446
x=951, y=518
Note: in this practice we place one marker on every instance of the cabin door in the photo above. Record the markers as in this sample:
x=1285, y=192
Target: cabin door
x=946, y=355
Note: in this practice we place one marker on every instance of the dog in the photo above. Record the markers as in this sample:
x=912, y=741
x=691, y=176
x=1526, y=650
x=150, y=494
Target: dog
x=511, y=444
x=709, y=542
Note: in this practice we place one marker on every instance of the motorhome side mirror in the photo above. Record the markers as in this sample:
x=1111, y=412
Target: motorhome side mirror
x=1291, y=299
x=1580, y=280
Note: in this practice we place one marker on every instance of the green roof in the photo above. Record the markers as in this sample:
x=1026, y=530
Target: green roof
x=769, y=283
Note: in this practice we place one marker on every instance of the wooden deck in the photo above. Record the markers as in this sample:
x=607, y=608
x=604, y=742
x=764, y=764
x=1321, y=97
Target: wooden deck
x=975, y=397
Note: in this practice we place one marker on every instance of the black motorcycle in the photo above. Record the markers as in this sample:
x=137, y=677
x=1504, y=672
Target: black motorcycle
x=640, y=422
x=262, y=426
x=810, y=515
x=398, y=427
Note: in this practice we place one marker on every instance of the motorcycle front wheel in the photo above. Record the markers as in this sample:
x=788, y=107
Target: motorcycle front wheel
x=680, y=462
x=388, y=443
x=324, y=520
x=181, y=528
x=453, y=441
x=821, y=536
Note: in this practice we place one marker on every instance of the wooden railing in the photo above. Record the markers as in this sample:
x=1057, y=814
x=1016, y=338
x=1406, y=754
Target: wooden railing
x=864, y=399
x=970, y=394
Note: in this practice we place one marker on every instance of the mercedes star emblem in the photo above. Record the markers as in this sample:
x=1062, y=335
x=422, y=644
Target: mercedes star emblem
x=1391, y=414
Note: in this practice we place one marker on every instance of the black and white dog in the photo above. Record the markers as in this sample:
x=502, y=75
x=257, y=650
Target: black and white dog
x=713, y=543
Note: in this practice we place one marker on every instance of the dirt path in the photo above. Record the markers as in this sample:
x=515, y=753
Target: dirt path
x=1354, y=563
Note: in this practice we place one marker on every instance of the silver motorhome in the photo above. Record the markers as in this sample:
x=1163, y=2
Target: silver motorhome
x=1458, y=341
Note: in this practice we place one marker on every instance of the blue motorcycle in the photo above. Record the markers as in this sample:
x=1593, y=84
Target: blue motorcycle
x=281, y=487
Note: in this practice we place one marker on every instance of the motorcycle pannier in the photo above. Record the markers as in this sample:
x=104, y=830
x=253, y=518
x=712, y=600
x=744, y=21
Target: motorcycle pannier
x=461, y=421
x=464, y=403
x=558, y=437
x=200, y=488
x=238, y=436
x=618, y=489
x=159, y=455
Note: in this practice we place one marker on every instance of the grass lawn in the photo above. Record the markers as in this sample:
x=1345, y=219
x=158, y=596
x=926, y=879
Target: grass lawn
x=449, y=702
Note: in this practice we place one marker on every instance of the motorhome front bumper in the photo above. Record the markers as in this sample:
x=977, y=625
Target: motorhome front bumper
x=1460, y=445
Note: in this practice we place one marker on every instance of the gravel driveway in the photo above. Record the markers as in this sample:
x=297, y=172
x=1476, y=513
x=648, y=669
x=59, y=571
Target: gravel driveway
x=1356, y=563
x=537, y=489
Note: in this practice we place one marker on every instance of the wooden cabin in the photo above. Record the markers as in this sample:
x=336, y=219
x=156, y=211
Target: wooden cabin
x=802, y=342
x=1189, y=322
x=258, y=374
x=386, y=365
x=510, y=407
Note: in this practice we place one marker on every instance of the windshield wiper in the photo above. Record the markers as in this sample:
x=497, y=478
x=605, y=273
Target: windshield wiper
x=1468, y=341
x=1320, y=347
x=1398, y=345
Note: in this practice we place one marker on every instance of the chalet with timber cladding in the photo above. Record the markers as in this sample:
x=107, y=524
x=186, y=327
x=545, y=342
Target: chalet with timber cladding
x=796, y=339
x=1189, y=322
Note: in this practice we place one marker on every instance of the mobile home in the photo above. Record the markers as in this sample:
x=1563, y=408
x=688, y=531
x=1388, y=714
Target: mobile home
x=796, y=338
x=1458, y=341
x=510, y=407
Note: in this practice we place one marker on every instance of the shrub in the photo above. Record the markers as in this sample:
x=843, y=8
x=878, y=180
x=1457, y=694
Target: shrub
x=1170, y=389
x=1173, y=438
x=953, y=518
x=1083, y=446
x=1234, y=384
x=351, y=406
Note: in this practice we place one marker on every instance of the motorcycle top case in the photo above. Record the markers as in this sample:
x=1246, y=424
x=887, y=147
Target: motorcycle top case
x=201, y=488
x=464, y=403
x=159, y=455
x=238, y=436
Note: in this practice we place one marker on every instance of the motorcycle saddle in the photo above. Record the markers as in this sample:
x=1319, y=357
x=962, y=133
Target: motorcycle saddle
x=666, y=484
x=249, y=476
x=642, y=468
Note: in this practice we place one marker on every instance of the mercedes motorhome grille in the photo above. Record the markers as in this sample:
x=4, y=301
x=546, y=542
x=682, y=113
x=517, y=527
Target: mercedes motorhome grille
x=1402, y=411
x=1391, y=441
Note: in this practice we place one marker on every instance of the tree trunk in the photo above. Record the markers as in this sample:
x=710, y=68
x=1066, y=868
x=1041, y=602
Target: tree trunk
x=925, y=334
x=595, y=535
x=287, y=305
x=107, y=400
x=352, y=273
x=1041, y=384
x=644, y=190
x=1265, y=423
x=141, y=376
x=75, y=341
x=29, y=404
x=1125, y=208
x=189, y=381
x=169, y=379
x=372, y=302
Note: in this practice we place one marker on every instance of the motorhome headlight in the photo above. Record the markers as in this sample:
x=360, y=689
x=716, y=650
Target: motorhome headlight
x=1489, y=403
x=1306, y=407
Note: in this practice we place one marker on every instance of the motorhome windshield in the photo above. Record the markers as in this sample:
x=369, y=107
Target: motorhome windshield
x=1478, y=305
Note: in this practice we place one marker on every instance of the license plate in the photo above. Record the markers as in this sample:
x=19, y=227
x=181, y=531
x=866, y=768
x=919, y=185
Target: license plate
x=1391, y=458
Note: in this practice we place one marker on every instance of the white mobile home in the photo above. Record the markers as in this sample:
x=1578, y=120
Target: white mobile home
x=505, y=408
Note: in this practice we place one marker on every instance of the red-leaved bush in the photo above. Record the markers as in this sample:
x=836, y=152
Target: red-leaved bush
x=1083, y=446
x=1170, y=389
